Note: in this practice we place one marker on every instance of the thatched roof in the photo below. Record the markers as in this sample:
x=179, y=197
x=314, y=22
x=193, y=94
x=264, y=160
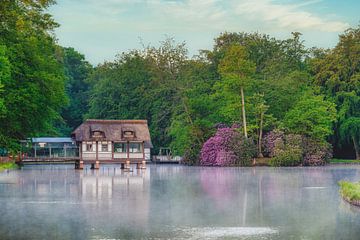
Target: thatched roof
x=113, y=130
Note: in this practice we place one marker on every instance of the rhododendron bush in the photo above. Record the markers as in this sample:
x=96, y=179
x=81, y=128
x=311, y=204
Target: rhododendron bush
x=227, y=147
x=294, y=149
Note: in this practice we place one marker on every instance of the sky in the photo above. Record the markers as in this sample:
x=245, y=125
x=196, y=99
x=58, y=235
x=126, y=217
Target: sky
x=101, y=29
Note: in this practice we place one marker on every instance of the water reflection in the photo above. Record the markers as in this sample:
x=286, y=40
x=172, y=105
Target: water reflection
x=58, y=202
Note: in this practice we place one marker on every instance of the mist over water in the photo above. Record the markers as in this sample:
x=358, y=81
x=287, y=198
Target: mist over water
x=177, y=202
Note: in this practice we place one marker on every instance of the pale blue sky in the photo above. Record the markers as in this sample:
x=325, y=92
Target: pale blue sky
x=102, y=28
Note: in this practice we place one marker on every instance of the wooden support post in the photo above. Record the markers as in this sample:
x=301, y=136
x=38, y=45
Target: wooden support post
x=143, y=166
x=80, y=149
x=49, y=150
x=122, y=166
x=97, y=165
x=81, y=164
x=127, y=165
x=97, y=151
x=138, y=166
x=112, y=151
x=128, y=151
x=143, y=150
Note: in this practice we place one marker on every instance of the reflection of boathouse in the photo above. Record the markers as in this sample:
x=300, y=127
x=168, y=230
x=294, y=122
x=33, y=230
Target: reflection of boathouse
x=113, y=141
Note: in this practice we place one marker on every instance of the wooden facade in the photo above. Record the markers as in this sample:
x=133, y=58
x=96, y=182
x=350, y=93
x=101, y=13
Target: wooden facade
x=113, y=141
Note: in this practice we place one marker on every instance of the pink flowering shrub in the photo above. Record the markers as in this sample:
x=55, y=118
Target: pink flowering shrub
x=271, y=141
x=216, y=150
x=227, y=147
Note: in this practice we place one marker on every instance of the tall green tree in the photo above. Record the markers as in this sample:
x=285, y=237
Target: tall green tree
x=77, y=70
x=312, y=116
x=34, y=91
x=236, y=70
x=337, y=73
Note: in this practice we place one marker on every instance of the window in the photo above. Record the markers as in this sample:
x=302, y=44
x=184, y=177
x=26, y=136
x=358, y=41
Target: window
x=104, y=147
x=135, y=148
x=128, y=134
x=89, y=147
x=97, y=134
x=120, y=147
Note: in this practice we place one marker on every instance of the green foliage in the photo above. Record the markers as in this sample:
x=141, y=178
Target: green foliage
x=288, y=151
x=337, y=74
x=47, y=89
x=33, y=90
x=350, y=129
x=244, y=150
x=8, y=165
x=286, y=158
x=311, y=116
x=77, y=70
x=350, y=191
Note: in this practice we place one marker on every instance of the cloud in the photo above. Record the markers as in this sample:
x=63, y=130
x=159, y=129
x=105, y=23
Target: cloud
x=200, y=15
x=287, y=16
x=101, y=28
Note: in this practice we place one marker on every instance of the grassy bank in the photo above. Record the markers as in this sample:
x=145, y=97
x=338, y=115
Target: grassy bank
x=335, y=160
x=8, y=165
x=350, y=192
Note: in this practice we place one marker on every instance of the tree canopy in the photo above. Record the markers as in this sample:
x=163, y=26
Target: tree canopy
x=251, y=80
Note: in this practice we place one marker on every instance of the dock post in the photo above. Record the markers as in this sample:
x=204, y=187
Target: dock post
x=81, y=164
x=143, y=166
x=127, y=165
x=122, y=165
x=97, y=165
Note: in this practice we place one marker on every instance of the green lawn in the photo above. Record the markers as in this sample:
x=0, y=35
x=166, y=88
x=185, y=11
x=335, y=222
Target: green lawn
x=8, y=165
x=335, y=160
x=350, y=190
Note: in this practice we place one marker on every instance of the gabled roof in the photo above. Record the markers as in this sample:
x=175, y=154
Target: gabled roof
x=113, y=130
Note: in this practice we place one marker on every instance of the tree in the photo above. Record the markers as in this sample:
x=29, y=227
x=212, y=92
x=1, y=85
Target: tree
x=34, y=90
x=258, y=112
x=311, y=116
x=77, y=70
x=236, y=70
x=350, y=131
x=337, y=73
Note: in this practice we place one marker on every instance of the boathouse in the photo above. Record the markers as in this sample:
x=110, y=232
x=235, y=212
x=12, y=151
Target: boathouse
x=113, y=141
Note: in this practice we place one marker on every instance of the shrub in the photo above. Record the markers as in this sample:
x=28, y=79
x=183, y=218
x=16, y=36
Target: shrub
x=244, y=149
x=286, y=158
x=287, y=151
x=192, y=155
x=316, y=153
x=216, y=150
x=270, y=140
x=350, y=191
x=227, y=147
x=313, y=152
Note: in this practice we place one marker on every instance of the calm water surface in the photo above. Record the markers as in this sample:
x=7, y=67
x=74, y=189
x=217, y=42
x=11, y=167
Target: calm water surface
x=177, y=202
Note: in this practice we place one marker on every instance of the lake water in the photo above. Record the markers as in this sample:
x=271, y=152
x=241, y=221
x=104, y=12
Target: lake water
x=177, y=202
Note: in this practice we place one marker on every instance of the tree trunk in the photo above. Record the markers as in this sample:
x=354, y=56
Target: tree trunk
x=356, y=147
x=260, y=155
x=243, y=111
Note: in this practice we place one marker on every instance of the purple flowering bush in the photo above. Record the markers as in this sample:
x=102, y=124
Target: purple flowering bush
x=227, y=147
x=294, y=149
x=271, y=140
x=316, y=153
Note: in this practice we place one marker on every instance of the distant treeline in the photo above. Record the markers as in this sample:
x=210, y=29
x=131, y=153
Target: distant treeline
x=46, y=89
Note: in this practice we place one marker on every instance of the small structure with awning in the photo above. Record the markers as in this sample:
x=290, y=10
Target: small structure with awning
x=50, y=147
x=113, y=141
